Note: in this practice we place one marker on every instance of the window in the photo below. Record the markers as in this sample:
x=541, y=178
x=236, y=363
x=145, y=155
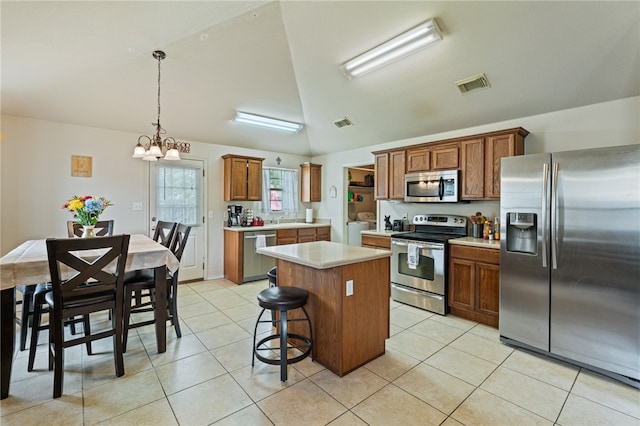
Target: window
x=279, y=190
x=177, y=190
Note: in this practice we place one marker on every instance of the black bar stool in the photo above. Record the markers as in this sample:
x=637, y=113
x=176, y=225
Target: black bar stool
x=283, y=299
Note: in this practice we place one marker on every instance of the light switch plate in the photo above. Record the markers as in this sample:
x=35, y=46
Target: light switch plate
x=137, y=206
x=350, y=288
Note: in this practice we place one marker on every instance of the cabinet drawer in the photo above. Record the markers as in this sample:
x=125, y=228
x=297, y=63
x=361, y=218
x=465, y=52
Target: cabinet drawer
x=325, y=230
x=376, y=241
x=475, y=253
x=287, y=233
x=307, y=232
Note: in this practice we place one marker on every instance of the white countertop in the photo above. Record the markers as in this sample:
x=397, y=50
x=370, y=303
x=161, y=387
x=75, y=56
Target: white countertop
x=476, y=242
x=276, y=226
x=323, y=254
x=380, y=233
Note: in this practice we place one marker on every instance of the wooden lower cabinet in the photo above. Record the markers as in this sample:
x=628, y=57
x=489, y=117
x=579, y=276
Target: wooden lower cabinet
x=474, y=283
x=323, y=233
x=376, y=241
x=303, y=235
x=348, y=331
x=233, y=256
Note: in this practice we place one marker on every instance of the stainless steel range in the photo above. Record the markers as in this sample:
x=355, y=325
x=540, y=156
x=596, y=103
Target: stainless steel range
x=419, y=261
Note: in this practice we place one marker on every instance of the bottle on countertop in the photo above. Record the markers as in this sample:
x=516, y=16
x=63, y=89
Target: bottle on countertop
x=488, y=228
x=496, y=228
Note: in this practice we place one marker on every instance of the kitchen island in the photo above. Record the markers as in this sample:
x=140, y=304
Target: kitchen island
x=349, y=292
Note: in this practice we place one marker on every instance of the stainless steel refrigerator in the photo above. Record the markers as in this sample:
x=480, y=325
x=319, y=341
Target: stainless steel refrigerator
x=570, y=257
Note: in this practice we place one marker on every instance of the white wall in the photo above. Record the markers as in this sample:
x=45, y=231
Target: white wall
x=36, y=180
x=606, y=124
x=35, y=175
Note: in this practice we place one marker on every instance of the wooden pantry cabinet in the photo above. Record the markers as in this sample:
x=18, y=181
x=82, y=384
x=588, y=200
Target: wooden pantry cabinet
x=389, y=175
x=474, y=283
x=310, y=182
x=242, y=178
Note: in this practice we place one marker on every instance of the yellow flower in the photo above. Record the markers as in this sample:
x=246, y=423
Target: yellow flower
x=75, y=205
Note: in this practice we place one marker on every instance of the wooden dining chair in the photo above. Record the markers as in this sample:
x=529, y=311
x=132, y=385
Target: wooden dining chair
x=163, y=234
x=147, y=283
x=93, y=286
x=25, y=319
x=102, y=228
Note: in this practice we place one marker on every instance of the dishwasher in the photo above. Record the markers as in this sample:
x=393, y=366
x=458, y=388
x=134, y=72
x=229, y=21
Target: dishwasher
x=256, y=265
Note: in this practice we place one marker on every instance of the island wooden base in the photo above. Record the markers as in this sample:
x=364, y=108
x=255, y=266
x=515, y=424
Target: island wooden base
x=348, y=331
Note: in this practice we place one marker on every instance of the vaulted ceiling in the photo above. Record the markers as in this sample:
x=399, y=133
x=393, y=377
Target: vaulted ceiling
x=89, y=63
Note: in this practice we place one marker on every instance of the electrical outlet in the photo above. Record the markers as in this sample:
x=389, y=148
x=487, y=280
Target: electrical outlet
x=405, y=216
x=350, y=288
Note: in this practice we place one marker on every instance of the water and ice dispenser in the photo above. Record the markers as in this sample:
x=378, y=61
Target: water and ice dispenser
x=522, y=233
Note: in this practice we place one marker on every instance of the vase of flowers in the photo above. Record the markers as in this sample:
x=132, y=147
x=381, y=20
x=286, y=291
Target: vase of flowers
x=86, y=211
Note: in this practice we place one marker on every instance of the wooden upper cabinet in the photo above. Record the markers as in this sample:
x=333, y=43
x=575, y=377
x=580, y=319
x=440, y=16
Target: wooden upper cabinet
x=497, y=147
x=444, y=157
x=472, y=161
x=478, y=158
x=310, y=182
x=418, y=160
x=242, y=178
x=480, y=161
x=389, y=175
x=396, y=175
x=381, y=173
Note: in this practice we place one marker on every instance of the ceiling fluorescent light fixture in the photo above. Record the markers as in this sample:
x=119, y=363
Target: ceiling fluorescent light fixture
x=406, y=43
x=267, y=122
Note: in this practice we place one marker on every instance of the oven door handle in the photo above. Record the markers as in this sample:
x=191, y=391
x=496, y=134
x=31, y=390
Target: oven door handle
x=420, y=246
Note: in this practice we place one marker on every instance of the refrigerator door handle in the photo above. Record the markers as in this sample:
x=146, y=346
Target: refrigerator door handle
x=545, y=197
x=554, y=217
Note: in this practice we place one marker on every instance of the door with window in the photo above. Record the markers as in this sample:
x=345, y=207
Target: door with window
x=177, y=195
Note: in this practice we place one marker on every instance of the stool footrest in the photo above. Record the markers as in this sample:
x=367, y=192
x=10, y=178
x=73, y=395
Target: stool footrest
x=276, y=361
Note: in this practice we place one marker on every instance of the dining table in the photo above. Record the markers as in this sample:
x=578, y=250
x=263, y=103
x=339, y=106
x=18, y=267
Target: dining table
x=28, y=264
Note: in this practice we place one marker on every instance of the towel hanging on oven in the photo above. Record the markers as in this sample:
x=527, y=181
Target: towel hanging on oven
x=413, y=255
x=261, y=241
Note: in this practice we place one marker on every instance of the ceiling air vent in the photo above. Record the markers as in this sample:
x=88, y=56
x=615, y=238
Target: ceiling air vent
x=473, y=83
x=343, y=123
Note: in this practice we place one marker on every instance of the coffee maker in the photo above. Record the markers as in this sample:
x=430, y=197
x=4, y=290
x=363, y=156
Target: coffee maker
x=233, y=214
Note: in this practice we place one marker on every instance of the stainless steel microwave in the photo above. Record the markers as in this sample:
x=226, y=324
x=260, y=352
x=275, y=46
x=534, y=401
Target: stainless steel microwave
x=432, y=187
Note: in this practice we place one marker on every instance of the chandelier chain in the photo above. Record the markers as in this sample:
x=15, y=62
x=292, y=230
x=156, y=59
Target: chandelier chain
x=156, y=146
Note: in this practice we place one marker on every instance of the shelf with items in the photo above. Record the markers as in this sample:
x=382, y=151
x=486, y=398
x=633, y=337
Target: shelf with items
x=358, y=194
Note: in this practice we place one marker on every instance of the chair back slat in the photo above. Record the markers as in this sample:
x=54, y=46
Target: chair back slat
x=164, y=232
x=180, y=240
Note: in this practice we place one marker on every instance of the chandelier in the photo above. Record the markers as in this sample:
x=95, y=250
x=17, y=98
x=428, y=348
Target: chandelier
x=156, y=147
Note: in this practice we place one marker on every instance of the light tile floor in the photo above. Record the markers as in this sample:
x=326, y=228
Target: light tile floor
x=436, y=370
